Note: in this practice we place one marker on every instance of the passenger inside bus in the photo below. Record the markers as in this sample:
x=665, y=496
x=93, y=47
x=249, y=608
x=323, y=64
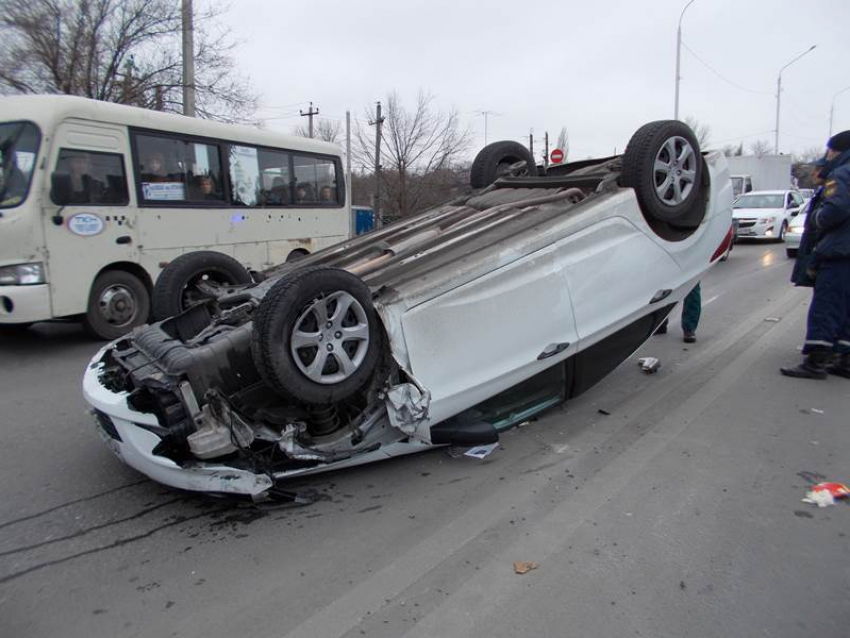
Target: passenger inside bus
x=279, y=193
x=327, y=195
x=204, y=188
x=304, y=193
x=153, y=168
x=85, y=189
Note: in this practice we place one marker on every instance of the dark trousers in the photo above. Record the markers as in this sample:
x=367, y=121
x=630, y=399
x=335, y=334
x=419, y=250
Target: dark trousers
x=691, y=310
x=828, y=325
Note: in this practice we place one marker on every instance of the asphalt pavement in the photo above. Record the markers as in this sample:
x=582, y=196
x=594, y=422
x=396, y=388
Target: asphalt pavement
x=653, y=505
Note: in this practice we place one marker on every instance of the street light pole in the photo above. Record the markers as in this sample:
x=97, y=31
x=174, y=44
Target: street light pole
x=832, y=107
x=678, y=59
x=779, y=93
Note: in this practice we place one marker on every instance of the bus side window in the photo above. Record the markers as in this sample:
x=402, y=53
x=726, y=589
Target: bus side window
x=316, y=181
x=170, y=169
x=95, y=177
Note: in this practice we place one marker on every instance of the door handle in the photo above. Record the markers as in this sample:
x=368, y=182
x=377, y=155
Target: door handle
x=552, y=349
x=661, y=294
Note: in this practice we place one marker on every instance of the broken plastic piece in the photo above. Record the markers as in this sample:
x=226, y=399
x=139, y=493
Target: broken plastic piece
x=649, y=364
x=523, y=567
x=481, y=451
x=825, y=494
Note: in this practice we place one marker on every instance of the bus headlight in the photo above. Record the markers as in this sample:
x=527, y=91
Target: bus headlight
x=22, y=274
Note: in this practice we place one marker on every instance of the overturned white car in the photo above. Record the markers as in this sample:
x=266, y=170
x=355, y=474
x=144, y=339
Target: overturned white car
x=443, y=328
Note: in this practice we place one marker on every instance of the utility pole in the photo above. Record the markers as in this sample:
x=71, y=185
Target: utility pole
x=378, y=121
x=546, y=150
x=678, y=58
x=531, y=142
x=309, y=114
x=188, y=60
x=779, y=94
x=485, y=114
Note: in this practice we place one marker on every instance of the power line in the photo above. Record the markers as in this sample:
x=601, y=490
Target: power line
x=721, y=76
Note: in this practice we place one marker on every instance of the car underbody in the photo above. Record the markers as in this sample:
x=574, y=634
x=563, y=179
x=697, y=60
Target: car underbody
x=441, y=329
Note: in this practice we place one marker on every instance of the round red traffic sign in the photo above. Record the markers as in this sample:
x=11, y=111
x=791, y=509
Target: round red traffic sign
x=556, y=156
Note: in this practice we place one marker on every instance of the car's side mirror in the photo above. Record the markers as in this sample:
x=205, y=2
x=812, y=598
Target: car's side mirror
x=60, y=188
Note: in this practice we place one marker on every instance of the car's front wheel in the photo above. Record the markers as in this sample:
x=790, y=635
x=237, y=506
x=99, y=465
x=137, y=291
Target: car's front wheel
x=782, y=230
x=663, y=165
x=317, y=337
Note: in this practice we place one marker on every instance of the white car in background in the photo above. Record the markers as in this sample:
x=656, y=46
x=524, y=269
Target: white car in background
x=794, y=234
x=766, y=214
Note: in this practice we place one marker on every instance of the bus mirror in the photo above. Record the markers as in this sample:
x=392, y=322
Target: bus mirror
x=60, y=188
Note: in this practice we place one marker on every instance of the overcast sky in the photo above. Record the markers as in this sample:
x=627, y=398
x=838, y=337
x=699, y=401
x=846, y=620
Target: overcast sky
x=599, y=68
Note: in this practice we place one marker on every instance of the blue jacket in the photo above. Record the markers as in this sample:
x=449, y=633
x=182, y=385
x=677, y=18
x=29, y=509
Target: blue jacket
x=800, y=275
x=833, y=216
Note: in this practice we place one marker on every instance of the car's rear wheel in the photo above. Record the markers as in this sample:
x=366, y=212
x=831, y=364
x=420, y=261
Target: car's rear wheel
x=663, y=165
x=790, y=252
x=189, y=278
x=317, y=337
x=501, y=159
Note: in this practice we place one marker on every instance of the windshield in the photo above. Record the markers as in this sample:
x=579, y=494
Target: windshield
x=18, y=150
x=760, y=201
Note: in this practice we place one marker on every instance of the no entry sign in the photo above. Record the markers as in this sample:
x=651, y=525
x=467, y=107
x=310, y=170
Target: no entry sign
x=556, y=156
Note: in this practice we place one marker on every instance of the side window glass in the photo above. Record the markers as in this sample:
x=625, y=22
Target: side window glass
x=18, y=148
x=315, y=181
x=95, y=178
x=259, y=177
x=170, y=169
x=276, y=178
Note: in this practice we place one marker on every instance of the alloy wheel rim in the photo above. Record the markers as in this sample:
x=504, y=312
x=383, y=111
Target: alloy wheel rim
x=330, y=338
x=674, y=170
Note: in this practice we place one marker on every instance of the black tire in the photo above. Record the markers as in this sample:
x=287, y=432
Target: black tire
x=288, y=305
x=175, y=289
x=494, y=160
x=658, y=201
x=791, y=253
x=118, y=302
x=782, y=230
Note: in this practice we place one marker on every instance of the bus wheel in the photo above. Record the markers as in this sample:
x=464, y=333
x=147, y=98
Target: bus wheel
x=317, y=337
x=118, y=302
x=181, y=284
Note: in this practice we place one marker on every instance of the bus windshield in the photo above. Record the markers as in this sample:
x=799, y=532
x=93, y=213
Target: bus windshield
x=18, y=150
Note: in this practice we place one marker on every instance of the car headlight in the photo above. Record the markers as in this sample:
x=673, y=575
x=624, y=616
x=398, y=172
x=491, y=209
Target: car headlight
x=22, y=274
x=765, y=220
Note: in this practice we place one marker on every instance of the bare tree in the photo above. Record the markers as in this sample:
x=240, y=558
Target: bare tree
x=760, y=148
x=563, y=142
x=729, y=149
x=126, y=51
x=418, y=146
x=702, y=131
x=325, y=129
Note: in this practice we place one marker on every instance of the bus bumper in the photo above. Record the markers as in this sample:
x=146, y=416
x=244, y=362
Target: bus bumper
x=24, y=304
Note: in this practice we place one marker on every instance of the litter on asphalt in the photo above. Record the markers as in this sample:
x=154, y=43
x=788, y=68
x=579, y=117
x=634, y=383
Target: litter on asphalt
x=649, y=364
x=825, y=494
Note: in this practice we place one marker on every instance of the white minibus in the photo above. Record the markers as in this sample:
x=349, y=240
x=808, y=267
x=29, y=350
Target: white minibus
x=97, y=198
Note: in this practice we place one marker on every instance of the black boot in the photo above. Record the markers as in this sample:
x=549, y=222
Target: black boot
x=840, y=366
x=813, y=366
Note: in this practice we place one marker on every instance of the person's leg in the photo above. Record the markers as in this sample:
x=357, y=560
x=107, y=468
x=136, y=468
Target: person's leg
x=691, y=310
x=825, y=320
x=841, y=362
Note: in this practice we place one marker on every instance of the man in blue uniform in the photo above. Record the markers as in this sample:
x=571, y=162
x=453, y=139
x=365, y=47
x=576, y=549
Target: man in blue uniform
x=828, y=264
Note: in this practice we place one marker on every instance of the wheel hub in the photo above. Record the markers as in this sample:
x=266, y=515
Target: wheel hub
x=117, y=305
x=330, y=338
x=674, y=170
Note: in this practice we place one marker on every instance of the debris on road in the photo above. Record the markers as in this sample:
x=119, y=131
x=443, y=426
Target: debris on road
x=481, y=451
x=773, y=319
x=649, y=364
x=523, y=567
x=816, y=411
x=825, y=494
x=605, y=412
